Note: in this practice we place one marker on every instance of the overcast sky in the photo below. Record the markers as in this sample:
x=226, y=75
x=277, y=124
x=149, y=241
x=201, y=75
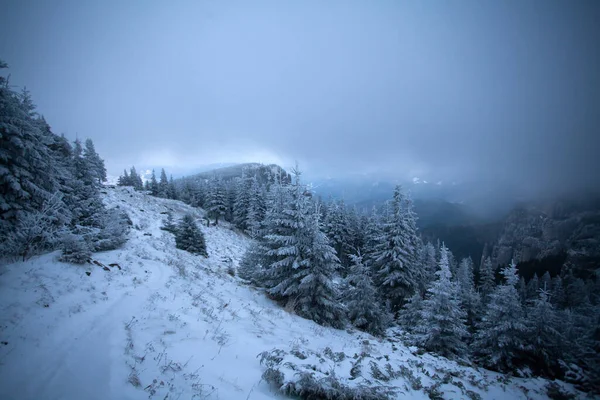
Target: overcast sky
x=438, y=89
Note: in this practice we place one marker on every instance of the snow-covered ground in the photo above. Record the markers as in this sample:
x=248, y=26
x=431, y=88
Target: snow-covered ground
x=164, y=324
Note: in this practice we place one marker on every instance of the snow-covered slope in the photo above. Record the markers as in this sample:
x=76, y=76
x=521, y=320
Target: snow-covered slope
x=164, y=324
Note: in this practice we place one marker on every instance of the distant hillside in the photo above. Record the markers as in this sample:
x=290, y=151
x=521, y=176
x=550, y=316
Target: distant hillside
x=264, y=173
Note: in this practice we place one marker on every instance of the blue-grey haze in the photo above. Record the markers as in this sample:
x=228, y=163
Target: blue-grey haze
x=444, y=90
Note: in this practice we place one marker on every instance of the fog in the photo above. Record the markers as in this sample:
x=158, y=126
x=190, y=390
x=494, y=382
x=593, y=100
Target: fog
x=493, y=91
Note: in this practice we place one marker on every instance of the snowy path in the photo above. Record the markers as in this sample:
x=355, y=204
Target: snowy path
x=85, y=350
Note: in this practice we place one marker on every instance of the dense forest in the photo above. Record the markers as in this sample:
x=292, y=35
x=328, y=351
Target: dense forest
x=335, y=265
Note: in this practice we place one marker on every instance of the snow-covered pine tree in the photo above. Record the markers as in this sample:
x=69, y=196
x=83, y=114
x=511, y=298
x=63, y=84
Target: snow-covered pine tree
x=74, y=249
x=355, y=230
x=546, y=282
x=217, y=199
x=499, y=342
x=230, y=192
x=153, y=184
x=533, y=287
x=124, y=180
x=111, y=228
x=557, y=292
x=26, y=178
x=522, y=289
x=336, y=228
x=61, y=153
x=365, y=310
x=55, y=186
x=428, y=263
x=172, y=189
x=285, y=238
x=372, y=234
x=442, y=326
x=487, y=280
x=257, y=208
x=163, y=184
x=544, y=338
x=189, y=237
x=252, y=264
x=35, y=230
x=256, y=263
x=411, y=314
x=300, y=262
x=241, y=204
x=198, y=193
x=317, y=296
x=87, y=204
x=469, y=298
x=576, y=295
x=95, y=163
x=135, y=179
x=396, y=253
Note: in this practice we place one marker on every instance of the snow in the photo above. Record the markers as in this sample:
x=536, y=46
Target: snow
x=169, y=324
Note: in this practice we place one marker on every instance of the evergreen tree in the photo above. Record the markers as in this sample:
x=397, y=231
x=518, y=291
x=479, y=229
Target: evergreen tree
x=241, y=205
x=469, y=298
x=411, y=314
x=575, y=295
x=500, y=339
x=317, y=296
x=87, y=203
x=230, y=193
x=252, y=263
x=35, y=230
x=95, y=163
x=362, y=301
x=336, y=229
x=189, y=237
x=428, y=263
x=396, y=254
x=355, y=231
x=522, y=289
x=257, y=209
x=135, y=179
x=442, y=328
x=373, y=233
x=26, y=179
x=172, y=189
x=163, y=185
x=546, y=282
x=557, y=292
x=217, y=200
x=285, y=238
x=300, y=262
x=487, y=280
x=153, y=185
x=50, y=190
x=275, y=226
x=124, y=180
x=544, y=337
x=533, y=287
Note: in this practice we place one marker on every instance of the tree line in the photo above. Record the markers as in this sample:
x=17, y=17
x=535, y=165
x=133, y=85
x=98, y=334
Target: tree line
x=335, y=265
x=50, y=188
